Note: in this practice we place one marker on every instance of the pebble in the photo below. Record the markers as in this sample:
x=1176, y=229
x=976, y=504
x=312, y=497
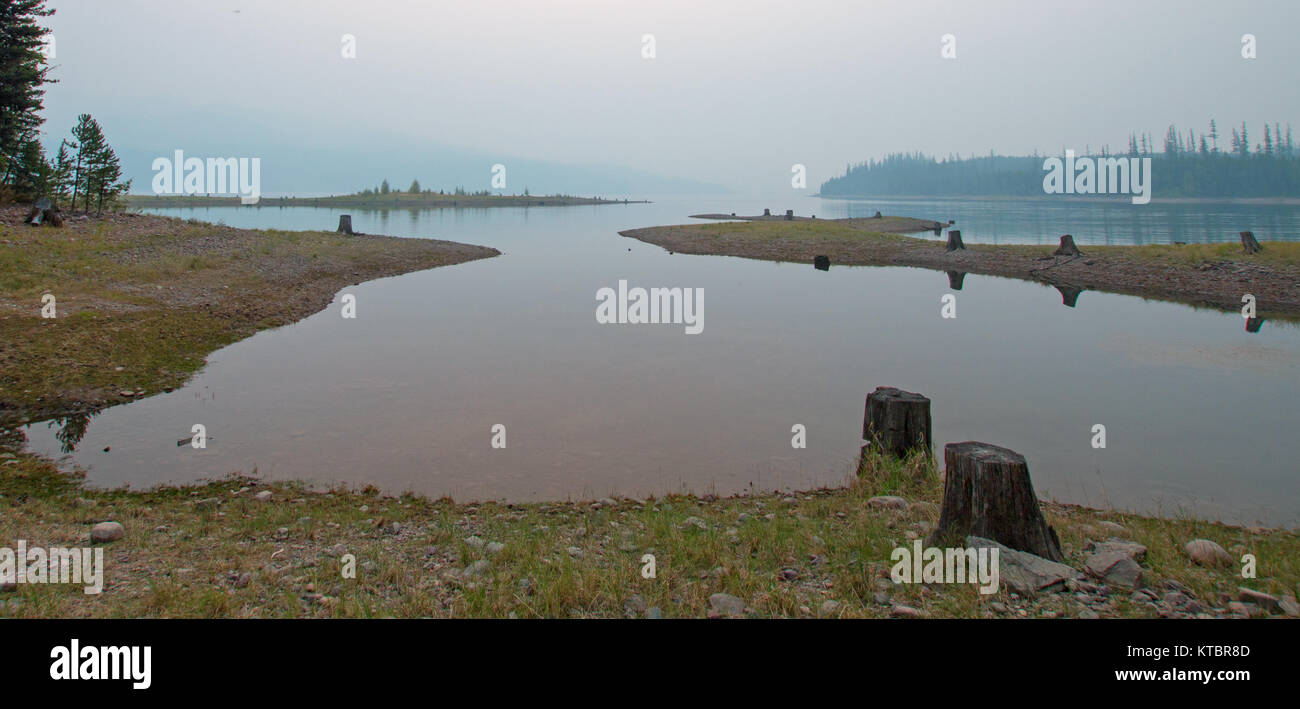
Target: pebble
x=635, y=605
x=106, y=532
x=725, y=604
x=694, y=522
x=493, y=547
x=263, y=496
x=654, y=613
x=575, y=552
x=830, y=607
x=476, y=568
x=902, y=611
x=888, y=502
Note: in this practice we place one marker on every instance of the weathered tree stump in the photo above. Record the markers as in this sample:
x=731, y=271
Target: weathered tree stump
x=1254, y=324
x=954, y=241
x=1249, y=244
x=956, y=279
x=897, y=421
x=1067, y=247
x=767, y=212
x=44, y=212
x=345, y=224
x=987, y=493
x=789, y=215
x=1069, y=295
x=822, y=263
x=878, y=215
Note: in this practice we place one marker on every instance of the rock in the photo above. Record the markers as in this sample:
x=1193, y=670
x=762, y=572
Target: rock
x=1207, y=553
x=476, y=569
x=654, y=613
x=1289, y=606
x=1088, y=614
x=243, y=580
x=1115, y=568
x=887, y=502
x=8, y=586
x=263, y=496
x=902, y=611
x=337, y=550
x=575, y=552
x=789, y=574
x=1109, y=527
x=725, y=604
x=1132, y=550
x=694, y=522
x=635, y=605
x=493, y=547
x=880, y=598
x=1026, y=573
x=998, y=607
x=105, y=532
x=475, y=542
x=1265, y=601
x=393, y=528
x=830, y=607
x=207, y=503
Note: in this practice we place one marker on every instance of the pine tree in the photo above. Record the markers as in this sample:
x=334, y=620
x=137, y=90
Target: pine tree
x=415, y=187
x=23, y=74
x=1268, y=141
x=1214, y=135
x=384, y=188
x=88, y=140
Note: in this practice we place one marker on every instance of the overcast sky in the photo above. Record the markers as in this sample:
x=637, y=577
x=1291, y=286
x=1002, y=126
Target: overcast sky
x=738, y=90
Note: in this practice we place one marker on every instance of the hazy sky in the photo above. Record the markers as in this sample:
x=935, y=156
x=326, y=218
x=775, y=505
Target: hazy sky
x=738, y=90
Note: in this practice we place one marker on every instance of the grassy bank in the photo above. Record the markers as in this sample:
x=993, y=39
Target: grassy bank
x=218, y=551
x=140, y=300
x=1214, y=275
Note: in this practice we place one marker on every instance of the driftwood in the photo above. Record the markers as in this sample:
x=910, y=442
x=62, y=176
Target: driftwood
x=1067, y=247
x=987, y=493
x=1249, y=244
x=956, y=279
x=897, y=421
x=954, y=240
x=822, y=263
x=345, y=224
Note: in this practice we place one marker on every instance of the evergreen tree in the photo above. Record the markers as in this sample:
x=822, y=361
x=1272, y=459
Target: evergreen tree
x=415, y=187
x=23, y=74
x=384, y=188
x=1214, y=135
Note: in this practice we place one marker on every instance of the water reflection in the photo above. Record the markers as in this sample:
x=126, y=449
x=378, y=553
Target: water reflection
x=71, y=430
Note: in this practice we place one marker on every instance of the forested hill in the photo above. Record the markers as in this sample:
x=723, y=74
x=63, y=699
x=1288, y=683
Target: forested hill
x=1187, y=167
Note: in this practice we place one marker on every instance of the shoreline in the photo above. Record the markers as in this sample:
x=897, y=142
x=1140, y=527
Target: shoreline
x=375, y=202
x=1208, y=275
x=250, y=548
x=1118, y=200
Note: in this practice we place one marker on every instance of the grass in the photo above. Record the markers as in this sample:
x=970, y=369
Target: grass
x=185, y=549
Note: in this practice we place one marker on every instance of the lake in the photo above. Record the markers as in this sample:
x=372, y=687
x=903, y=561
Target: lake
x=1200, y=414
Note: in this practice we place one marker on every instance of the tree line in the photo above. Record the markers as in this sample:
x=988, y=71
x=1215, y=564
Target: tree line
x=1189, y=165
x=84, y=170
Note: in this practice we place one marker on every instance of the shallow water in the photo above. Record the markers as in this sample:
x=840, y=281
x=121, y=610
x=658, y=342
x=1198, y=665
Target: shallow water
x=1199, y=413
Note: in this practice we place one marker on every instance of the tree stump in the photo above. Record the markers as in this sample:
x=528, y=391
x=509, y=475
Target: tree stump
x=789, y=215
x=878, y=215
x=956, y=279
x=897, y=421
x=954, y=241
x=1254, y=324
x=1248, y=243
x=1067, y=247
x=767, y=212
x=345, y=224
x=822, y=263
x=1069, y=295
x=987, y=493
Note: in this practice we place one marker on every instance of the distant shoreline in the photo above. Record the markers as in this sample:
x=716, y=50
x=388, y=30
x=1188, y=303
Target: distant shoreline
x=389, y=201
x=1119, y=200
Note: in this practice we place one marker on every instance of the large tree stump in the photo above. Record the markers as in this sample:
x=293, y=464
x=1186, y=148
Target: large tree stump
x=956, y=279
x=1249, y=244
x=822, y=263
x=954, y=241
x=897, y=421
x=789, y=215
x=1254, y=324
x=987, y=493
x=345, y=224
x=1067, y=247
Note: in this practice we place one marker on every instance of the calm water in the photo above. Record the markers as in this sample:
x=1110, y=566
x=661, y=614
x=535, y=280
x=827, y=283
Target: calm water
x=1200, y=414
